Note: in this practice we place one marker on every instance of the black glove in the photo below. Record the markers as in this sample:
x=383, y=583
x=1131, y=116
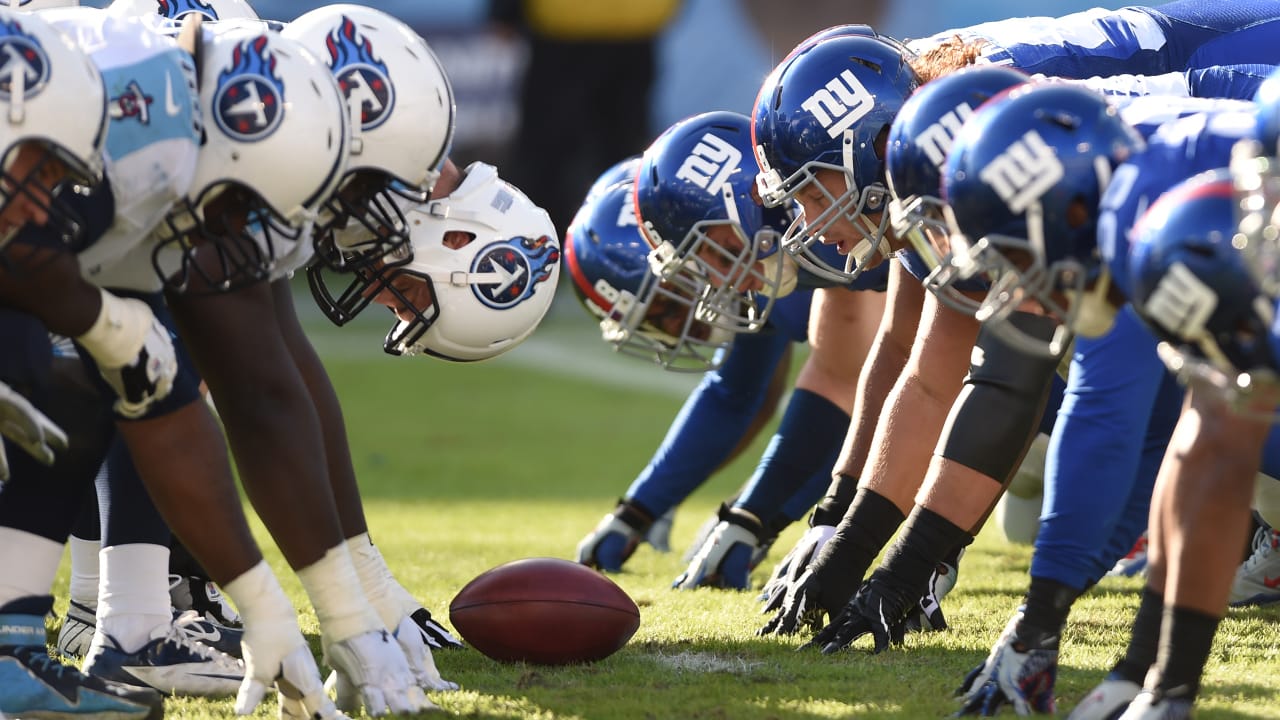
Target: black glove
x=878, y=609
x=798, y=606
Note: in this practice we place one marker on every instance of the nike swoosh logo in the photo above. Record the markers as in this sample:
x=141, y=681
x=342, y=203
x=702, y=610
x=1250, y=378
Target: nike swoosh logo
x=1272, y=583
x=171, y=108
x=199, y=633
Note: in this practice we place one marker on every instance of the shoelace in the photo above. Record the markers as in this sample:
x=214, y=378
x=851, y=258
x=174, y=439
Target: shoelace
x=1264, y=541
x=204, y=652
x=38, y=659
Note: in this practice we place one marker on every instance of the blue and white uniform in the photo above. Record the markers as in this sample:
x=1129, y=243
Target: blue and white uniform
x=1121, y=404
x=1174, y=37
x=153, y=138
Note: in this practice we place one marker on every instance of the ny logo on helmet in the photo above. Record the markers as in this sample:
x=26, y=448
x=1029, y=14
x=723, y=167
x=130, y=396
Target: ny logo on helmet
x=517, y=266
x=1024, y=172
x=710, y=164
x=24, y=67
x=839, y=104
x=364, y=78
x=627, y=213
x=248, y=103
x=178, y=8
x=936, y=139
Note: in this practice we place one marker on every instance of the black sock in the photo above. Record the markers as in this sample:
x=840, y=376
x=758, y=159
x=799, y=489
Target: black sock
x=1144, y=640
x=953, y=557
x=1186, y=637
x=1048, y=604
x=840, y=496
x=867, y=526
x=926, y=539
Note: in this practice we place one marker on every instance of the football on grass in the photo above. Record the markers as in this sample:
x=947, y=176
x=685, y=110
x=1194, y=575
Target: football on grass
x=546, y=611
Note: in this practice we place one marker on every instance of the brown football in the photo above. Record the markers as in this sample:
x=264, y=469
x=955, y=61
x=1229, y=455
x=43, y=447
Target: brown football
x=546, y=611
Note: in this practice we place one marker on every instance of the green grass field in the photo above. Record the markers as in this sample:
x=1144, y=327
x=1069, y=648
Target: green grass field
x=466, y=467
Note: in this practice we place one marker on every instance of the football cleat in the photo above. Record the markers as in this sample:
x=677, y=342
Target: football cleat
x=206, y=632
x=77, y=630
x=34, y=685
x=1107, y=700
x=1150, y=706
x=1257, y=580
x=1133, y=563
x=171, y=663
x=201, y=595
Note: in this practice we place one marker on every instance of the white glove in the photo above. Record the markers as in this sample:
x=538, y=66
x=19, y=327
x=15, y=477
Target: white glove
x=971, y=687
x=372, y=669
x=609, y=545
x=797, y=560
x=28, y=428
x=659, y=535
x=418, y=654
x=724, y=560
x=279, y=655
x=148, y=378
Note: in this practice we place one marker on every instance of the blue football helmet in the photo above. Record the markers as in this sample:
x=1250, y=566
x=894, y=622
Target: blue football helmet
x=710, y=238
x=1023, y=179
x=1255, y=171
x=1191, y=285
x=621, y=171
x=828, y=107
x=919, y=141
x=608, y=259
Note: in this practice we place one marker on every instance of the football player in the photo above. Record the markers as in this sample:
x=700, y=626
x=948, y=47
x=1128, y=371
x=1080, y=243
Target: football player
x=837, y=187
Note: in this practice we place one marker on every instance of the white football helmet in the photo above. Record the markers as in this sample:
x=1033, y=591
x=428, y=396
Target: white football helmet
x=40, y=68
x=401, y=117
x=489, y=260
x=33, y=5
x=275, y=149
x=178, y=9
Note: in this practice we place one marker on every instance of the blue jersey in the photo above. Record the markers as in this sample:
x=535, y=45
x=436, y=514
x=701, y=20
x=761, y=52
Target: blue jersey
x=1239, y=82
x=1176, y=150
x=1174, y=37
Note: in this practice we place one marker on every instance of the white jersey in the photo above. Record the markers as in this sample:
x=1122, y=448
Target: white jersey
x=152, y=141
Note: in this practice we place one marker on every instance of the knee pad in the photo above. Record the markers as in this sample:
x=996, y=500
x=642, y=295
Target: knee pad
x=999, y=408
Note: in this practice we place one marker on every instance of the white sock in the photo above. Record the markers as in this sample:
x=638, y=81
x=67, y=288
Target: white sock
x=84, y=570
x=377, y=581
x=133, y=596
x=30, y=563
x=341, y=606
x=261, y=601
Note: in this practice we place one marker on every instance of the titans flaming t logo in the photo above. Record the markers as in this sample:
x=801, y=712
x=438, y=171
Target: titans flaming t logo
x=177, y=8
x=248, y=103
x=23, y=63
x=520, y=264
x=362, y=76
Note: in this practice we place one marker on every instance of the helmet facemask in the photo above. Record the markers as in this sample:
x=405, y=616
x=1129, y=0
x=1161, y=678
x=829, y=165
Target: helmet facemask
x=226, y=239
x=851, y=207
x=363, y=222
x=1020, y=274
x=42, y=178
x=927, y=224
x=661, y=323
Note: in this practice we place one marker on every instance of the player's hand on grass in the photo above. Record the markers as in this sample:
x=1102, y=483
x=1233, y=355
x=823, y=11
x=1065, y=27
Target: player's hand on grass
x=796, y=561
x=798, y=606
x=370, y=669
x=878, y=609
x=416, y=652
x=1021, y=677
x=727, y=556
x=433, y=633
x=978, y=676
x=28, y=428
x=614, y=539
x=276, y=654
